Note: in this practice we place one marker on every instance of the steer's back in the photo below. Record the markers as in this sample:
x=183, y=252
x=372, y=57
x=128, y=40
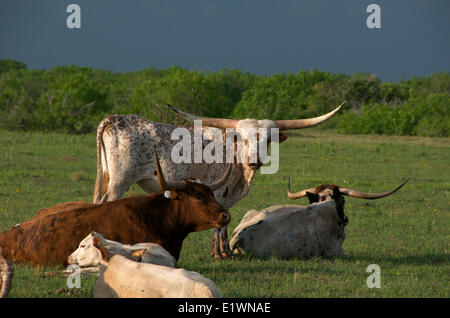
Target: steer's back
x=127, y=157
x=66, y=206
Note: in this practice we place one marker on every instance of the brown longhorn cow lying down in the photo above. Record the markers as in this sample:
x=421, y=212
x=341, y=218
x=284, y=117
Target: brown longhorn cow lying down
x=164, y=218
x=288, y=231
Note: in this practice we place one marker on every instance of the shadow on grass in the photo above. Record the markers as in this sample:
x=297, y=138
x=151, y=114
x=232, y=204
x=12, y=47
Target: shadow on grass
x=251, y=264
x=426, y=259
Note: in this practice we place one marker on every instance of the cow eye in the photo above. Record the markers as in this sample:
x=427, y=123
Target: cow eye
x=82, y=246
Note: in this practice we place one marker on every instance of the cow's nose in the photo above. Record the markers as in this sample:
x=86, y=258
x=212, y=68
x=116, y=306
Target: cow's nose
x=69, y=260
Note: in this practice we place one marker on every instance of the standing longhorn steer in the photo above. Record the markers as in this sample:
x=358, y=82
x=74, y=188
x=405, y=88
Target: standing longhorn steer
x=191, y=207
x=124, y=146
x=288, y=231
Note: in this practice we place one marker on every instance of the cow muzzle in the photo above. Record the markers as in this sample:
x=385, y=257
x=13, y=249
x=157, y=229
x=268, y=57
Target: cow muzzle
x=224, y=218
x=70, y=260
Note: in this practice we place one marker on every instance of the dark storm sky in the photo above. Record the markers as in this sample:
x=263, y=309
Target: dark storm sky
x=259, y=36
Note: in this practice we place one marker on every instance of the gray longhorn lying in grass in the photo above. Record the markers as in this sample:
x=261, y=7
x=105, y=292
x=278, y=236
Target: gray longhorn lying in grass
x=288, y=231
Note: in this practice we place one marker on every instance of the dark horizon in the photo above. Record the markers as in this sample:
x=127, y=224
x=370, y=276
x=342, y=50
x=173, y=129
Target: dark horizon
x=260, y=37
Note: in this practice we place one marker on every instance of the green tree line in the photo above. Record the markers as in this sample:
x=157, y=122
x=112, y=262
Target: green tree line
x=75, y=99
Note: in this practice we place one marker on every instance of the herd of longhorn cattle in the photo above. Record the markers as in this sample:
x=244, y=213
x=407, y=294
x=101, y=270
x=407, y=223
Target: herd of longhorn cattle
x=135, y=242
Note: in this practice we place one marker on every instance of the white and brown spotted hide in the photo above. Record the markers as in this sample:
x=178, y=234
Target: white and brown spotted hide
x=127, y=143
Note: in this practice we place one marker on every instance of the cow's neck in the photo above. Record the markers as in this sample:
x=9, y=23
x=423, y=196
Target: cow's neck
x=165, y=219
x=246, y=181
x=237, y=186
x=249, y=174
x=178, y=226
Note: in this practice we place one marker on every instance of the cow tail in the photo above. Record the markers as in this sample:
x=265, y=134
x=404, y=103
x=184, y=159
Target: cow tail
x=100, y=146
x=6, y=274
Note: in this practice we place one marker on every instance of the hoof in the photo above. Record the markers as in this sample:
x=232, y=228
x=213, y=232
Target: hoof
x=217, y=256
x=227, y=253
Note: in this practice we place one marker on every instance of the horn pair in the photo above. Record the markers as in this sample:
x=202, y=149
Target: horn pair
x=180, y=185
x=281, y=124
x=344, y=191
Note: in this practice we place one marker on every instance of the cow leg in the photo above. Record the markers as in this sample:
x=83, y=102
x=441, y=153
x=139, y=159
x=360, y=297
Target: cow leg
x=149, y=185
x=215, y=248
x=104, y=199
x=116, y=190
x=224, y=244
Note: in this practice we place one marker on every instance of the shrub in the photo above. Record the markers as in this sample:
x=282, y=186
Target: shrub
x=74, y=99
x=187, y=90
x=74, y=105
x=423, y=116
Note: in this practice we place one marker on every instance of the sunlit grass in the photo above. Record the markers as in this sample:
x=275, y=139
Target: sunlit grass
x=406, y=234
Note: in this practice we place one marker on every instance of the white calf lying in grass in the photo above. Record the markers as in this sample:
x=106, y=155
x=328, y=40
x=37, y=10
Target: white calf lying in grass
x=88, y=255
x=121, y=277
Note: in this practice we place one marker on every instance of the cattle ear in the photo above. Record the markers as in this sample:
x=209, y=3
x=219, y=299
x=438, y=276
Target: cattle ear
x=97, y=242
x=282, y=137
x=137, y=255
x=313, y=197
x=101, y=248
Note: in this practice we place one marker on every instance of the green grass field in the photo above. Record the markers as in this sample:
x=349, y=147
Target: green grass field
x=406, y=234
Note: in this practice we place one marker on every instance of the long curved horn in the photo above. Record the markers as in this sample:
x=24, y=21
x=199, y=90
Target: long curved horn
x=369, y=196
x=163, y=184
x=299, y=194
x=207, y=121
x=308, y=122
x=6, y=274
x=222, y=180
